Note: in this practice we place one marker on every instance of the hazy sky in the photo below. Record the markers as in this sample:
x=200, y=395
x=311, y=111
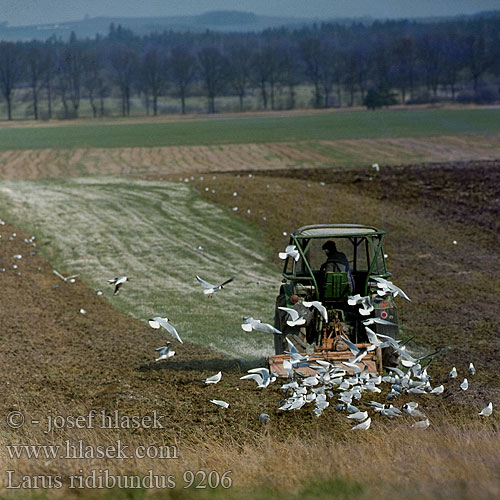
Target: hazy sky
x=19, y=12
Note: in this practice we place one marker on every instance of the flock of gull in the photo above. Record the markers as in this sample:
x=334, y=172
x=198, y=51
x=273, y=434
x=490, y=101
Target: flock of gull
x=346, y=385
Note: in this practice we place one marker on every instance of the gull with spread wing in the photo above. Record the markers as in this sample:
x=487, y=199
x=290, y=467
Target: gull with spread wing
x=209, y=288
x=158, y=322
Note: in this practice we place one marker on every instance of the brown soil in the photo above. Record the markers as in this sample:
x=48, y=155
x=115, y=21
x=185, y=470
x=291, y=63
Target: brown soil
x=56, y=358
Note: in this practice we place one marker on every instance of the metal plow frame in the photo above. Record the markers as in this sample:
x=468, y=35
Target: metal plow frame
x=372, y=362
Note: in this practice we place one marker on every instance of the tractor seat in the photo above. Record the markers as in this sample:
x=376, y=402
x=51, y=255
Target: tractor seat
x=336, y=287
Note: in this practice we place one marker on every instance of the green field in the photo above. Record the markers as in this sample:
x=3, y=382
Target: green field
x=152, y=232
x=244, y=130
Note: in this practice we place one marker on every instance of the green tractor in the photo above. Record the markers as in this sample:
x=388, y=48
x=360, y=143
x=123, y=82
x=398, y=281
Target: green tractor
x=330, y=279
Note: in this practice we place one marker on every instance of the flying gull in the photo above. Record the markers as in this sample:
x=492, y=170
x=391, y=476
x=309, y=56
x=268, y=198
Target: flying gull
x=250, y=324
x=70, y=279
x=290, y=251
x=158, y=322
x=165, y=352
x=319, y=306
x=209, y=288
x=118, y=282
x=295, y=318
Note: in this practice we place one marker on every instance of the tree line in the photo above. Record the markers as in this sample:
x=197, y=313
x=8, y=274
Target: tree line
x=343, y=65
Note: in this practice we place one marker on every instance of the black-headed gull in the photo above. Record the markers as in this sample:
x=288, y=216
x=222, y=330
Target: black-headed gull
x=158, y=322
x=295, y=318
x=364, y=302
x=261, y=376
x=118, y=282
x=380, y=321
x=165, y=352
x=421, y=424
x=359, y=416
x=319, y=306
x=438, y=390
x=214, y=379
x=250, y=324
x=290, y=251
x=386, y=286
x=486, y=412
x=209, y=288
x=67, y=279
x=471, y=369
x=363, y=426
x=220, y=403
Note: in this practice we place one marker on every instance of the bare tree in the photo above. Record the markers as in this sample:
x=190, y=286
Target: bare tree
x=182, y=70
x=50, y=52
x=36, y=66
x=239, y=70
x=153, y=76
x=10, y=72
x=260, y=74
x=124, y=62
x=311, y=51
x=94, y=82
x=290, y=72
x=477, y=56
x=431, y=60
x=274, y=61
x=213, y=67
x=72, y=66
x=404, y=65
x=453, y=61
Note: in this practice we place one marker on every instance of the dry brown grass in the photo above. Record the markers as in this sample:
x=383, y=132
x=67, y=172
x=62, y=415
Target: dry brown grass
x=453, y=458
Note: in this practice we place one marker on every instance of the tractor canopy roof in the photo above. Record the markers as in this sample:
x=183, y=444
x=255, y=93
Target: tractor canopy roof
x=336, y=230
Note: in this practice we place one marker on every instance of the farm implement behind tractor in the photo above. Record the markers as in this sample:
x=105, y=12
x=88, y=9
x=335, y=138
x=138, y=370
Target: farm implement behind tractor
x=331, y=278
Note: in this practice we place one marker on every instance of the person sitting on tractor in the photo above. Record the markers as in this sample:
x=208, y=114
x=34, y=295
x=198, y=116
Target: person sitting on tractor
x=336, y=262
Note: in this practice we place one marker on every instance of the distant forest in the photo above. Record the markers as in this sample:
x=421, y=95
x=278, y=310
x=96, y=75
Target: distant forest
x=341, y=65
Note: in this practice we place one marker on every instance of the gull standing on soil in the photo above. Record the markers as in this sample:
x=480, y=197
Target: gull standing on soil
x=296, y=319
x=210, y=289
x=464, y=385
x=319, y=306
x=471, y=369
x=118, y=282
x=453, y=373
x=486, y=412
x=158, y=322
x=290, y=251
x=359, y=416
x=438, y=390
x=250, y=324
x=214, y=379
x=220, y=403
x=165, y=352
x=421, y=424
x=363, y=426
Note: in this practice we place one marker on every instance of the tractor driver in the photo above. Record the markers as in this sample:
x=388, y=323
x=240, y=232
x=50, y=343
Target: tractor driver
x=336, y=262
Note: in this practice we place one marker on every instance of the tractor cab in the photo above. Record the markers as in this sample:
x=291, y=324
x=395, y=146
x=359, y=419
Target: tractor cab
x=334, y=262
